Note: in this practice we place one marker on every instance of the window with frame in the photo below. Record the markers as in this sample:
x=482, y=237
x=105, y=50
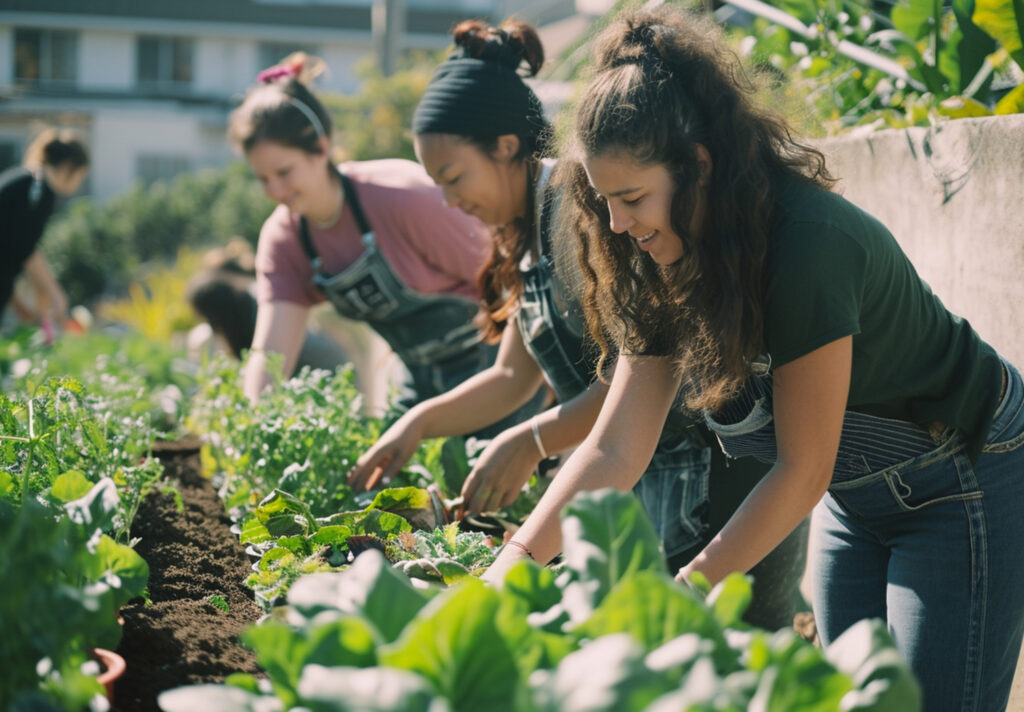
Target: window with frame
x=45, y=56
x=164, y=62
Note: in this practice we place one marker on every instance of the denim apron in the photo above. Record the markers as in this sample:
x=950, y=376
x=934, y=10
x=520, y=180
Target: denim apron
x=674, y=488
x=434, y=335
x=868, y=443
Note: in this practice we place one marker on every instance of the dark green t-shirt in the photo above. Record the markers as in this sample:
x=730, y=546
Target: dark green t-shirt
x=832, y=270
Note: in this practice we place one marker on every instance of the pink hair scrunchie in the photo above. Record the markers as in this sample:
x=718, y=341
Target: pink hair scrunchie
x=276, y=72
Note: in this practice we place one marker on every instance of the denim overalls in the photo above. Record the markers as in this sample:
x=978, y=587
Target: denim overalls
x=434, y=335
x=674, y=488
x=912, y=532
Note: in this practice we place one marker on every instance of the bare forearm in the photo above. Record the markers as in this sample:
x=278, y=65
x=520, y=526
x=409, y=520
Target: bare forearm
x=479, y=401
x=587, y=469
x=256, y=377
x=770, y=512
x=38, y=272
x=565, y=426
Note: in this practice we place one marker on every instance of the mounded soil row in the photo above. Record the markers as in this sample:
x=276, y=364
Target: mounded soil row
x=180, y=638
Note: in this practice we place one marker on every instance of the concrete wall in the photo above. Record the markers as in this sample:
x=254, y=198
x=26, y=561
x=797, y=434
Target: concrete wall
x=953, y=196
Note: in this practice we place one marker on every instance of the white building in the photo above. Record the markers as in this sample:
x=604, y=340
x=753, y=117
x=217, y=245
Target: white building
x=151, y=82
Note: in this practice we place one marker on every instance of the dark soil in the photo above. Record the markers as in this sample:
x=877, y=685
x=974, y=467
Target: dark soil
x=181, y=638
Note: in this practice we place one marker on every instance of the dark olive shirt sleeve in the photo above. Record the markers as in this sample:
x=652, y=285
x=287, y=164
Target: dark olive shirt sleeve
x=814, y=290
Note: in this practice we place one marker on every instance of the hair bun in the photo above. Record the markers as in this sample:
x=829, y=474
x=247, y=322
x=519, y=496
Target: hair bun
x=509, y=44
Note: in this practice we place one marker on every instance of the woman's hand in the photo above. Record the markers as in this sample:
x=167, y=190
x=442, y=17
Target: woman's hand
x=508, y=557
x=501, y=471
x=54, y=304
x=387, y=456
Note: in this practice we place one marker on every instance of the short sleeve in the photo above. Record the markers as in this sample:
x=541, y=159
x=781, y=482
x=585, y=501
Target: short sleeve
x=814, y=290
x=453, y=242
x=282, y=271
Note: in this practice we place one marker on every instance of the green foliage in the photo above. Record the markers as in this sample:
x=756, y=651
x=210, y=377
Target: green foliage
x=60, y=441
x=646, y=641
x=471, y=550
x=67, y=583
x=97, y=249
x=218, y=602
x=300, y=439
x=604, y=541
x=953, y=51
x=283, y=463
x=125, y=375
x=374, y=122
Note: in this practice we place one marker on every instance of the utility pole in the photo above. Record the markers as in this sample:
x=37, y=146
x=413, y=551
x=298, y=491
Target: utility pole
x=387, y=21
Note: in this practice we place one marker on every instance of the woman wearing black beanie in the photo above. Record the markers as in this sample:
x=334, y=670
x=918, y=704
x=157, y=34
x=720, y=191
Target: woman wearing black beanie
x=481, y=135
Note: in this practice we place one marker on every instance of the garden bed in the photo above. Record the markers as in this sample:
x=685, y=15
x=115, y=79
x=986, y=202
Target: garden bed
x=181, y=638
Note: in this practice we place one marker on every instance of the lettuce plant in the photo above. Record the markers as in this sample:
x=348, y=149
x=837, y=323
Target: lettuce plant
x=611, y=631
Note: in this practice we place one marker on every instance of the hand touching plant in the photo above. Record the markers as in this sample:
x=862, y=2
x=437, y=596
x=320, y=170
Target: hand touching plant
x=387, y=456
x=501, y=471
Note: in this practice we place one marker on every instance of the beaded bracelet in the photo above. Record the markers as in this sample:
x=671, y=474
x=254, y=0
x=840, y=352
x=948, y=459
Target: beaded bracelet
x=513, y=542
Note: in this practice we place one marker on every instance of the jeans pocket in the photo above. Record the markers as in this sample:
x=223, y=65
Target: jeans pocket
x=1007, y=431
x=936, y=484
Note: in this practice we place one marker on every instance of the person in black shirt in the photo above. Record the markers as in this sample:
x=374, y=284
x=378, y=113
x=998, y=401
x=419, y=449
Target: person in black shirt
x=55, y=164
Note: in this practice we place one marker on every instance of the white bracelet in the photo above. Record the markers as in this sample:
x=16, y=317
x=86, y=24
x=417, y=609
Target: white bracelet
x=535, y=427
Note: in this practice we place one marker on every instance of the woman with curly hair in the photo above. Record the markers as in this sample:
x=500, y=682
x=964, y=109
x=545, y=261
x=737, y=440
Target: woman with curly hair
x=480, y=133
x=733, y=282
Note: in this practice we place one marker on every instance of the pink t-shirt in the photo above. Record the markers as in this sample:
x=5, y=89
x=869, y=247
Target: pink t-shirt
x=433, y=249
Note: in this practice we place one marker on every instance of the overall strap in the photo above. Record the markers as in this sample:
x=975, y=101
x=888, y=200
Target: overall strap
x=352, y=198
x=307, y=244
x=545, y=220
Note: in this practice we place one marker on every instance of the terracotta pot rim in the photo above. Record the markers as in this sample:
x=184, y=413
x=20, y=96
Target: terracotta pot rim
x=115, y=666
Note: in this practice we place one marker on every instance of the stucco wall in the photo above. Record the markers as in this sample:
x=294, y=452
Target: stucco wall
x=953, y=196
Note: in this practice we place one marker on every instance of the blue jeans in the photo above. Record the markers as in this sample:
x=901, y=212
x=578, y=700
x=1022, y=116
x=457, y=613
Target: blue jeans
x=934, y=546
x=674, y=493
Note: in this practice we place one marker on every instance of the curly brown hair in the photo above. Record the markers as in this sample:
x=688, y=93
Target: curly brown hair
x=512, y=42
x=664, y=82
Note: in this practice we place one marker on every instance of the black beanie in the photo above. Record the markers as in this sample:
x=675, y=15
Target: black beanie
x=478, y=97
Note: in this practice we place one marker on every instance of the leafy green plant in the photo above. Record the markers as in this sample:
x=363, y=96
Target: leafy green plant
x=957, y=60
x=57, y=443
x=68, y=582
x=346, y=638
x=217, y=601
x=301, y=438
